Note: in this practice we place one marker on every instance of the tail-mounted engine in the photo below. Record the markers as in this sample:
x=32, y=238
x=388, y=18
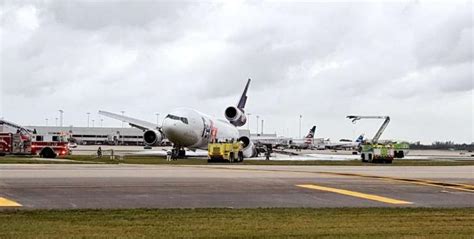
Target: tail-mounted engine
x=249, y=149
x=235, y=116
x=152, y=137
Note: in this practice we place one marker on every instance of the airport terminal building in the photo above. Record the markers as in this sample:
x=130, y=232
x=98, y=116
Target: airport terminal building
x=120, y=136
x=95, y=135
x=103, y=135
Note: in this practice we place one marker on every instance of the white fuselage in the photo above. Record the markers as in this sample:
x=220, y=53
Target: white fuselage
x=303, y=143
x=192, y=129
x=343, y=145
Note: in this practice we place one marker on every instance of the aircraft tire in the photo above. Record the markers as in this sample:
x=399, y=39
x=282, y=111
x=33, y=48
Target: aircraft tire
x=240, y=157
x=182, y=153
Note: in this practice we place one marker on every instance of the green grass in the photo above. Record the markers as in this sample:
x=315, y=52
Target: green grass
x=243, y=223
x=203, y=161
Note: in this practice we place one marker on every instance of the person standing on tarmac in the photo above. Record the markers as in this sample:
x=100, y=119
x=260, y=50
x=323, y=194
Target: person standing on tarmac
x=99, y=152
x=168, y=156
x=267, y=153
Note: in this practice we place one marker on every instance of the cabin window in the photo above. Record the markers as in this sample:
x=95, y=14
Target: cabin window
x=174, y=117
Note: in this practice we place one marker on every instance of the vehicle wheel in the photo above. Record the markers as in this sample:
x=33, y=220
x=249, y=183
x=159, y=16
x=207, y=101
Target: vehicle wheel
x=48, y=153
x=369, y=158
x=388, y=161
x=362, y=156
x=2, y=154
x=401, y=154
x=231, y=157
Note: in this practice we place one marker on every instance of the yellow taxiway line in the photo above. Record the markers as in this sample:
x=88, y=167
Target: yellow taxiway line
x=355, y=194
x=455, y=186
x=8, y=203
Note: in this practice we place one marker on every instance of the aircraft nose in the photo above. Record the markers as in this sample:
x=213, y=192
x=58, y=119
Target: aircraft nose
x=179, y=133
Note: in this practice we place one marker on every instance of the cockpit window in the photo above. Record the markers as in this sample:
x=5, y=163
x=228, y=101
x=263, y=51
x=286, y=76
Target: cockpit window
x=174, y=117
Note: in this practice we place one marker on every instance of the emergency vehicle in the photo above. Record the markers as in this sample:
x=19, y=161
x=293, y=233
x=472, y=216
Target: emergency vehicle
x=28, y=142
x=377, y=152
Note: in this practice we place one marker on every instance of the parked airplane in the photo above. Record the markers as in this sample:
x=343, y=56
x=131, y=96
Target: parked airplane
x=191, y=129
x=346, y=144
x=306, y=143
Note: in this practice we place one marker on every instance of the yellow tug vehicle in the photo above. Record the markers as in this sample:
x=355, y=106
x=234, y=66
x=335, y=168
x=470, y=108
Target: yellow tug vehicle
x=225, y=151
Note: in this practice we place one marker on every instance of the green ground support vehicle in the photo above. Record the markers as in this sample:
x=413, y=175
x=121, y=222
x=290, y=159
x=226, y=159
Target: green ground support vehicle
x=400, y=149
x=375, y=152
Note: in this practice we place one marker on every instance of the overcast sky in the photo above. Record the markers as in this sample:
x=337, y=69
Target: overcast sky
x=410, y=60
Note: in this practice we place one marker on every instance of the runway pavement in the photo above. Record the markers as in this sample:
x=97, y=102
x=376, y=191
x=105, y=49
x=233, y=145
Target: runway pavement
x=235, y=186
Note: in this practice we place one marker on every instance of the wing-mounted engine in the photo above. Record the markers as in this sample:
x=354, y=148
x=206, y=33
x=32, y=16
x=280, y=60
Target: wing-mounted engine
x=249, y=149
x=152, y=137
x=235, y=116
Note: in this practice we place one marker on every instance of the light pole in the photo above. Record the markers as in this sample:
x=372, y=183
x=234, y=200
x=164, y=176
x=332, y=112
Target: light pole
x=61, y=112
x=101, y=122
x=123, y=112
x=88, y=116
x=46, y=121
x=56, y=121
x=157, y=119
x=257, y=124
x=300, y=126
x=93, y=123
x=262, y=128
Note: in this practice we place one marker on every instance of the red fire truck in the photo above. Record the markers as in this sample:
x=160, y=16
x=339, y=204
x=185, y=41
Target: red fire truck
x=28, y=142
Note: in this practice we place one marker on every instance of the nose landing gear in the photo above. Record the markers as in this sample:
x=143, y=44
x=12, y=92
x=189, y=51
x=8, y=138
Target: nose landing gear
x=178, y=152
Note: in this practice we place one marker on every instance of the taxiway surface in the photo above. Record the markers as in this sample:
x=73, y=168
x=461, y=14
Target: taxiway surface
x=233, y=186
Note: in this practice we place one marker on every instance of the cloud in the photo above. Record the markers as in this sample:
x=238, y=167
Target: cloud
x=322, y=60
x=97, y=15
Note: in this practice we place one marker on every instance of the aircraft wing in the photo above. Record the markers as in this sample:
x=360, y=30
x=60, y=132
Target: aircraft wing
x=141, y=124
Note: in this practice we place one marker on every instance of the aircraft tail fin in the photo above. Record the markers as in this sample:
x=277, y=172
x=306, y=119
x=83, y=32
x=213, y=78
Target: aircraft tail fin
x=243, y=98
x=311, y=133
x=360, y=139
